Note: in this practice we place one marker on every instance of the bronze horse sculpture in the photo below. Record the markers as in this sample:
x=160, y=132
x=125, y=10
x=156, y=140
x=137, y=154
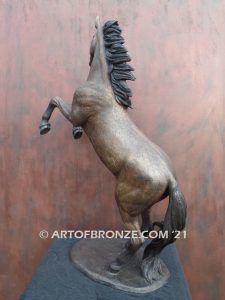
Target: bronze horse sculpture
x=143, y=172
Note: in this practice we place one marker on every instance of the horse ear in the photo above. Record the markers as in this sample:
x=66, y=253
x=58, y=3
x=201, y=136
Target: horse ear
x=99, y=31
x=98, y=23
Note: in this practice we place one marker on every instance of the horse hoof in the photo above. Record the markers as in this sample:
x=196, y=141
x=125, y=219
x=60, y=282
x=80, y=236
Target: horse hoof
x=114, y=268
x=44, y=127
x=77, y=132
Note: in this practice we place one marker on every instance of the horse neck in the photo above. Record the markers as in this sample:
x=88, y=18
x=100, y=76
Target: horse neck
x=99, y=69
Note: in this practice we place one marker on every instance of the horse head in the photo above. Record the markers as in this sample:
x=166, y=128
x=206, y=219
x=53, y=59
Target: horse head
x=97, y=40
x=109, y=57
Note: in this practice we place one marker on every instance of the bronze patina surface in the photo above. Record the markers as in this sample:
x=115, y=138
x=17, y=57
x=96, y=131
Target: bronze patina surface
x=92, y=257
x=143, y=172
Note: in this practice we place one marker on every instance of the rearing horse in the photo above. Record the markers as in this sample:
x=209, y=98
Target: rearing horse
x=143, y=172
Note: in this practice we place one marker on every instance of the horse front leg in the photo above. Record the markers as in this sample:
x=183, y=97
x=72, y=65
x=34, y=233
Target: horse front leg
x=65, y=109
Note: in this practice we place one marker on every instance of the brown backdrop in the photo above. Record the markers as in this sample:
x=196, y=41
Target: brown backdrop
x=54, y=182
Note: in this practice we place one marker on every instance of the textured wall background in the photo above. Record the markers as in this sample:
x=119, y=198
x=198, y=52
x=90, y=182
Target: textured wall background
x=54, y=182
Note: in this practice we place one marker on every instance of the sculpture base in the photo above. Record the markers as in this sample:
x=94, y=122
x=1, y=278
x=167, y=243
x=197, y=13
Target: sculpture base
x=57, y=278
x=93, y=256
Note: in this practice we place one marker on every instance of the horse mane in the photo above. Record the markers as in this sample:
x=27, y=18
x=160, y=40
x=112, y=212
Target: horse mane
x=117, y=58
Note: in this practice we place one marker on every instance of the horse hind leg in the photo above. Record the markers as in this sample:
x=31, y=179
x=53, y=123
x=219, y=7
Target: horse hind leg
x=147, y=224
x=131, y=224
x=153, y=267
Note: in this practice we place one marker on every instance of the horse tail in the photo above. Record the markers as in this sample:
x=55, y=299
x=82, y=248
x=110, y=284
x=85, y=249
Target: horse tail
x=175, y=219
